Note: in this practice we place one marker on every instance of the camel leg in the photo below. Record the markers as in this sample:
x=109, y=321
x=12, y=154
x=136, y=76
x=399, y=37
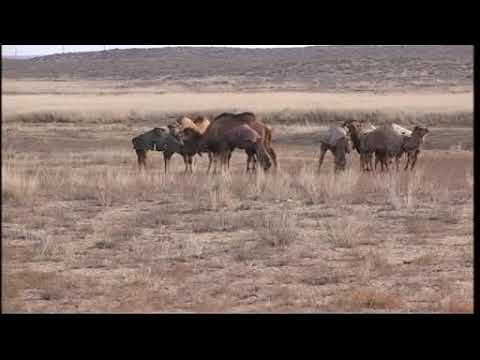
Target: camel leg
x=228, y=158
x=223, y=162
x=190, y=161
x=397, y=163
x=166, y=161
x=408, y=161
x=323, y=150
x=340, y=160
x=249, y=160
x=141, y=159
x=377, y=160
x=210, y=159
x=415, y=156
x=216, y=158
x=272, y=155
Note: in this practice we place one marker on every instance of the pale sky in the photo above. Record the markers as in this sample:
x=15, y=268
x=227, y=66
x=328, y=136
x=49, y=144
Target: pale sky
x=30, y=50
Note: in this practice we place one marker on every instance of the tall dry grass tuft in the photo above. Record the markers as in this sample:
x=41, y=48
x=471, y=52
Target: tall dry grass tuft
x=343, y=233
x=278, y=229
x=19, y=185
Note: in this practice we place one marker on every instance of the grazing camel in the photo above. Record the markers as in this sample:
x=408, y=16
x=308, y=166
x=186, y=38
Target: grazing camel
x=411, y=145
x=166, y=141
x=336, y=141
x=226, y=121
x=240, y=136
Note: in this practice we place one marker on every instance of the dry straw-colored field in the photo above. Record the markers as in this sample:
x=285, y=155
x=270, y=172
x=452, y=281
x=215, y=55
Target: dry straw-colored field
x=83, y=231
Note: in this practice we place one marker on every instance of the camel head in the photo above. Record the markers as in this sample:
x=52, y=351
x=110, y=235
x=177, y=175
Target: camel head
x=157, y=139
x=352, y=125
x=263, y=157
x=420, y=131
x=175, y=130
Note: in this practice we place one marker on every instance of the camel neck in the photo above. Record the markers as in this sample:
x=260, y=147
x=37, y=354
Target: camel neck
x=355, y=139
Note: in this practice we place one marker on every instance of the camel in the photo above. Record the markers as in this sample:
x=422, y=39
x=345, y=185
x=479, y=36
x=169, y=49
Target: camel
x=166, y=141
x=389, y=157
x=199, y=124
x=411, y=145
x=226, y=121
x=239, y=136
x=358, y=131
x=336, y=141
x=387, y=141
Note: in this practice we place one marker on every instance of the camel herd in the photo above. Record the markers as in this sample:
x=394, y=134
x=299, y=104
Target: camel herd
x=227, y=132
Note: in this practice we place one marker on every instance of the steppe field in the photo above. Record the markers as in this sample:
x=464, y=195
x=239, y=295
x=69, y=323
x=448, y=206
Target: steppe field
x=83, y=231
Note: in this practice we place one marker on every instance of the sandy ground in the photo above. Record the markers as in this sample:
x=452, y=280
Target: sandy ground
x=83, y=231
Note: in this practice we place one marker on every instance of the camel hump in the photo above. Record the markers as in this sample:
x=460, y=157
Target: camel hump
x=242, y=133
x=333, y=135
x=401, y=130
x=246, y=117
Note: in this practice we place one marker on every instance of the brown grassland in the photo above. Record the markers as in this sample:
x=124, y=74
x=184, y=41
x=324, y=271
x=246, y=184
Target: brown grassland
x=84, y=231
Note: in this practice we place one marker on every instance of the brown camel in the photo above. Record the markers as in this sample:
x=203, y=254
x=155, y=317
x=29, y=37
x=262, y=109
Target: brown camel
x=199, y=124
x=411, y=145
x=226, y=121
x=358, y=131
x=239, y=136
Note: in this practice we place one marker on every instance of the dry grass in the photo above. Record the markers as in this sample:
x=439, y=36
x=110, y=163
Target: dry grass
x=343, y=234
x=278, y=229
x=368, y=300
x=105, y=238
x=296, y=108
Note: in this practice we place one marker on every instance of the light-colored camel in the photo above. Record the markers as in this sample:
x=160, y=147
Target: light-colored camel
x=335, y=140
x=387, y=142
x=389, y=157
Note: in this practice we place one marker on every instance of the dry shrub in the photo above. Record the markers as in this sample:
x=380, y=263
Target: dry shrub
x=343, y=234
x=109, y=234
x=378, y=262
x=424, y=260
x=222, y=221
x=50, y=248
x=372, y=300
x=219, y=193
x=459, y=306
x=419, y=228
x=18, y=185
x=50, y=285
x=278, y=229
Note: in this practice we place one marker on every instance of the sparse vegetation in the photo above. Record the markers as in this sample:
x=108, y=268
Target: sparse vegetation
x=84, y=231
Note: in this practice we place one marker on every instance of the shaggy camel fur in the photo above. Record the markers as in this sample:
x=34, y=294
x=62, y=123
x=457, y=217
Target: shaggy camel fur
x=358, y=131
x=388, y=142
x=336, y=141
x=162, y=139
x=226, y=121
x=200, y=124
x=241, y=136
x=389, y=158
x=411, y=145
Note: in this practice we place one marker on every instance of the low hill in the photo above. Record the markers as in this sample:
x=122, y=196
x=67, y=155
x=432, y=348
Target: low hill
x=319, y=68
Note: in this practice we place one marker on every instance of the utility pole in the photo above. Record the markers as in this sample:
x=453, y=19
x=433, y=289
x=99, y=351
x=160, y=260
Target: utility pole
x=63, y=49
x=15, y=51
x=104, y=47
